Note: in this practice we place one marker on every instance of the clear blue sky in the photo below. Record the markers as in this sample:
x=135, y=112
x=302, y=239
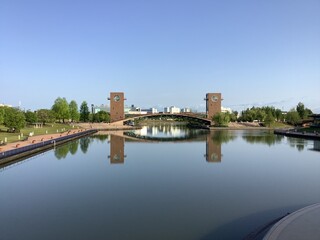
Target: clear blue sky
x=160, y=53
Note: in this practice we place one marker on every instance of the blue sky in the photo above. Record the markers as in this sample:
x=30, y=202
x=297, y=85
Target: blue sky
x=160, y=53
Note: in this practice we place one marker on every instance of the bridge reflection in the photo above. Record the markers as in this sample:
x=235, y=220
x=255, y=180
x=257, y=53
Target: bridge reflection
x=117, y=146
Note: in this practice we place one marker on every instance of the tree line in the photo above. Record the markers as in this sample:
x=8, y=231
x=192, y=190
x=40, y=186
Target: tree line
x=61, y=111
x=264, y=115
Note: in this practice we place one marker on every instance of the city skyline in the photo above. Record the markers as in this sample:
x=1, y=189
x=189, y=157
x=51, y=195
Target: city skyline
x=161, y=53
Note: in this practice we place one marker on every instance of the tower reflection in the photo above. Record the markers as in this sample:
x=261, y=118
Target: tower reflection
x=213, y=149
x=117, y=155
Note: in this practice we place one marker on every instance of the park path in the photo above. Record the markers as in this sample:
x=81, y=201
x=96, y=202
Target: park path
x=37, y=139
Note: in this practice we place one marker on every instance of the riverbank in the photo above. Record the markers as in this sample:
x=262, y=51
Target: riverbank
x=32, y=145
x=296, y=134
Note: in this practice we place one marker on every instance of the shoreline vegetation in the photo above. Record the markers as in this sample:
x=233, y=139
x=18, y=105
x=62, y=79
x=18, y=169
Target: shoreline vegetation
x=14, y=140
x=55, y=132
x=59, y=128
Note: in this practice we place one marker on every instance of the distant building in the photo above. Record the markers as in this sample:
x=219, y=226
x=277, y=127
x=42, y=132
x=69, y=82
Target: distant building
x=174, y=109
x=316, y=120
x=225, y=110
x=150, y=110
x=102, y=107
x=166, y=110
x=5, y=105
x=136, y=110
x=185, y=110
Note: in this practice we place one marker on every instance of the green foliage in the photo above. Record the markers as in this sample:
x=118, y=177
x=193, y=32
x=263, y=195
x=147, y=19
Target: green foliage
x=84, y=112
x=221, y=119
x=14, y=119
x=2, y=113
x=31, y=117
x=46, y=116
x=269, y=119
x=293, y=117
x=101, y=116
x=302, y=111
x=73, y=109
x=260, y=114
x=61, y=109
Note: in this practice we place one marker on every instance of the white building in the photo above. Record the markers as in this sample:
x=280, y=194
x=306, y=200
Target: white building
x=5, y=105
x=174, y=109
x=151, y=110
x=102, y=107
x=166, y=110
x=225, y=110
x=135, y=110
x=185, y=110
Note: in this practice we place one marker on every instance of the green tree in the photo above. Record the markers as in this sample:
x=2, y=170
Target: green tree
x=61, y=109
x=14, y=119
x=46, y=116
x=261, y=115
x=2, y=113
x=221, y=119
x=84, y=112
x=293, y=117
x=73, y=109
x=31, y=117
x=301, y=110
x=279, y=116
x=104, y=116
x=269, y=119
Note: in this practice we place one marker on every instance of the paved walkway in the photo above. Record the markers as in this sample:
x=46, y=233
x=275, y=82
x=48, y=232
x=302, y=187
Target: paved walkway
x=37, y=139
x=303, y=224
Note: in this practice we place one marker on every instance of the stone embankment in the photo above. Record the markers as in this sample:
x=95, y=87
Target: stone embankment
x=32, y=145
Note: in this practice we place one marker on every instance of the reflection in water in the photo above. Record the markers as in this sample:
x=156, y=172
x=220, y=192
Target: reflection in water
x=62, y=151
x=298, y=143
x=116, y=149
x=84, y=144
x=213, y=149
x=74, y=147
x=179, y=133
x=222, y=136
x=168, y=190
x=164, y=130
x=263, y=137
x=316, y=145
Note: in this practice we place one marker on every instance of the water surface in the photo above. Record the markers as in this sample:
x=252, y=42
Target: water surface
x=213, y=185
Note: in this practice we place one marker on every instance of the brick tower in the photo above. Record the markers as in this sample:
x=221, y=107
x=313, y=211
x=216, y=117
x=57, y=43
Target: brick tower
x=116, y=106
x=213, y=104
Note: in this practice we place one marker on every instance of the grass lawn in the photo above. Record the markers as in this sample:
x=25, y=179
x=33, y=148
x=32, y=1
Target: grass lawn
x=280, y=125
x=47, y=129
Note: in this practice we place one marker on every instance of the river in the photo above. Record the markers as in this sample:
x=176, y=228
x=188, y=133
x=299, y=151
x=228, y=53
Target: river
x=160, y=182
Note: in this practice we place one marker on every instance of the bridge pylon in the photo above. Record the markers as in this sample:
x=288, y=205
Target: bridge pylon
x=116, y=106
x=213, y=104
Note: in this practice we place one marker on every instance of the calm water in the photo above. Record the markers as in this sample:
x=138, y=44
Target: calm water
x=217, y=185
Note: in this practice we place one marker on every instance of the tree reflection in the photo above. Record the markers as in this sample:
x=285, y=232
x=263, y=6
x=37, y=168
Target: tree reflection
x=298, y=143
x=74, y=147
x=61, y=151
x=101, y=137
x=266, y=138
x=84, y=144
x=222, y=136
